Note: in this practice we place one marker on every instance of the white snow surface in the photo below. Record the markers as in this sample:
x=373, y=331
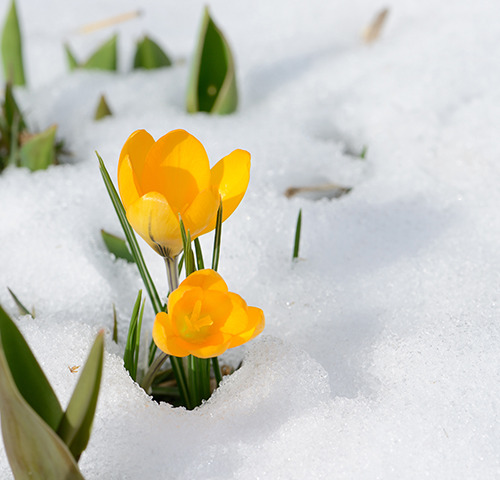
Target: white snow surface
x=380, y=357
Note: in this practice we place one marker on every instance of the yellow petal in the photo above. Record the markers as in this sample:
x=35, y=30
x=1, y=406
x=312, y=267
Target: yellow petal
x=152, y=218
x=177, y=166
x=136, y=149
x=201, y=212
x=230, y=177
x=128, y=185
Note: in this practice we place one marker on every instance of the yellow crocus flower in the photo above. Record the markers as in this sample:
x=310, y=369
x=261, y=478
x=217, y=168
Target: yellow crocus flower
x=158, y=181
x=204, y=319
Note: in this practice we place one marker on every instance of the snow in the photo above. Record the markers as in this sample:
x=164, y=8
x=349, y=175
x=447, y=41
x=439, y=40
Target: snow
x=380, y=353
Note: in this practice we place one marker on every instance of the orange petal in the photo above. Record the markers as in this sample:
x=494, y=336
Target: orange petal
x=163, y=340
x=177, y=166
x=237, y=321
x=230, y=177
x=209, y=351
x=256, y=323
x=152, y=218
x=206, y=279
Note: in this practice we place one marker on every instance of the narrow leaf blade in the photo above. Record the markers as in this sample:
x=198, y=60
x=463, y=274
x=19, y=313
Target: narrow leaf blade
x=296, y=243
x=27, y=374
x=132, y=241
x=134, y=333
x=12, y=51
x=77, y=420
x=22, y=309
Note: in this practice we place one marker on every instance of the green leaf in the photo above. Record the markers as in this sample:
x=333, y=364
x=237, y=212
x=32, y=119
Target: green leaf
x=212, y=81
x=105, y=57
x=150, y=55
x=39, y=151
x=12, y=51
x=34, y=450
x=132, y=241
x=27, y=374
x=188, y=252
x=102, y=109
x=77, y=420
x=362, y=155
x=297, y=236
x=117, y=246
x=131, y=354
x=115, y=325
x=12, y=111
x=217, y=239
x=22, y=309
x=72, y=61
x=199, y=254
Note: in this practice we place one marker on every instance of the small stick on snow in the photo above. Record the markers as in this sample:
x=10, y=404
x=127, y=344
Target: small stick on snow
x=124, y=17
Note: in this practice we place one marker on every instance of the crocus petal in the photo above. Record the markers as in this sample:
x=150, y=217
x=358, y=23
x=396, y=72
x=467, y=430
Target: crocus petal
x=209, y=351
x=230, y=177
x=201, y=212
x=163, y=339
x=152, y=218
x=206, y=279
x=256, y=323
x=131, y=164
x=177, y=166
x=128, y=185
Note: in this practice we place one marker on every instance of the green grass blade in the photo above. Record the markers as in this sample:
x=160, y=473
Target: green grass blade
x=115, y=325
x=105, y=57
x=22, y=309
x=132, y=241
x=212, y=80
x=150, y=55
x=133, y=337
x=362, y=155
x=33, y=448
x=217, y=239
x=12, y=49
x=188, y=253
x=77, y=420
x=27, y=374
x=12, y=112
x=199, y=254
x=117, y=246
x=296, y=244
